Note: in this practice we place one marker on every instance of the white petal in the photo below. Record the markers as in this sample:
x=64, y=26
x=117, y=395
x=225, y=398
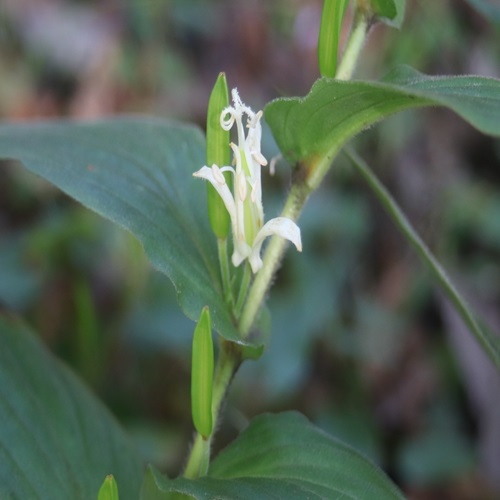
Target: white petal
x=280, y=226
x=241, y=252
x=223, y=190
x=227, y=123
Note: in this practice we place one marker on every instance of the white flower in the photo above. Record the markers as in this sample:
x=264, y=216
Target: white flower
x=245, y=204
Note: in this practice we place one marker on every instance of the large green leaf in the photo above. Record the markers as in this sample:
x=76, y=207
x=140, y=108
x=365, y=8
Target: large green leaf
x=57, y=440
x=281, y=456
x=137, y=172
x=317, y=126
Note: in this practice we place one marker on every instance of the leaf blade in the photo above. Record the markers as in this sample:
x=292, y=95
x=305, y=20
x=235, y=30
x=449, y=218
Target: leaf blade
x=334, y=111
x=136, y=172
x=283, y=456
x=56, y=439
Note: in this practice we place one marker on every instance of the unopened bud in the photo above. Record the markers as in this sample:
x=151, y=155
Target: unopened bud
x=202, y=375
x=109, y=489
x=329, y=35
x=218, y=153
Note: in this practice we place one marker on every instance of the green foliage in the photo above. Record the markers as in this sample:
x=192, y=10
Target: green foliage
x=281, y=456
x=390, y=12
x=56, y=439
x=137, y=173
x=317, y=126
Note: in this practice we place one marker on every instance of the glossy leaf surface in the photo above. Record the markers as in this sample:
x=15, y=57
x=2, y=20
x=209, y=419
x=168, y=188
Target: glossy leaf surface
x=56, y=439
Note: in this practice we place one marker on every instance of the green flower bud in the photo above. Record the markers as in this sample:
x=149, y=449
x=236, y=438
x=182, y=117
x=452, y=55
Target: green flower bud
x=109, y=489
x=218, y=153
x=202, y=375
x=329, y=35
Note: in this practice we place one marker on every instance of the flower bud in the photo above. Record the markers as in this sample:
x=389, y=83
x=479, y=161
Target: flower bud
x=109, y=489
x=202, y=375
x=218, y=153
x=329, y=35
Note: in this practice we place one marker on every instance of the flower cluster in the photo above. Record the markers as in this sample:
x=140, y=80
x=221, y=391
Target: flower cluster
x=245, y=203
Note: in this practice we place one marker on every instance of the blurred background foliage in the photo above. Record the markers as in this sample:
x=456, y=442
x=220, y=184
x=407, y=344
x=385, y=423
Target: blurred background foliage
x=362, y=341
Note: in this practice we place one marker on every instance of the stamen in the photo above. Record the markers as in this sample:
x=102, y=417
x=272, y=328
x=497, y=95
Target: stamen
x=259, y=158
x=272, y=165
x=218, y=175
x=242, y=186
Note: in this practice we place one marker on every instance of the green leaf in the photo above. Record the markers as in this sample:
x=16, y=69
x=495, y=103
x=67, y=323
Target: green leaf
x=310, y=129
x=488, y=340
x=56, y=439
x=281, y=456
x=329, y=35
x=488, y=8
x=390, y=12
x=384, y=8
x=137, y=172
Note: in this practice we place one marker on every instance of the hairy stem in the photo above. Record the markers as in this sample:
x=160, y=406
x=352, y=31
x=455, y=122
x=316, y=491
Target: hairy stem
x=225, y=270
x=300, y=190
x=247, y=276
x=272, y=258
x=354, y=46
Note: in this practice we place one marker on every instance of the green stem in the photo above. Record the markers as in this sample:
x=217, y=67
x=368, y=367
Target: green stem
x=272, y=258
x=426, y=255
x=354, y=46
x=199, y=458
x=228, y=362
x=245, y=281
x=225, y=270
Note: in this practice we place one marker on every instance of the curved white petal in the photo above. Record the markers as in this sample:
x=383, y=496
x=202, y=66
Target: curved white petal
x=227, y=123
x=241, y=252
x=223, y=189
x=280, y=226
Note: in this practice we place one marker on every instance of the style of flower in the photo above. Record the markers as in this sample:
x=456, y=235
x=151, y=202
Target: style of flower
x=245, y=203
